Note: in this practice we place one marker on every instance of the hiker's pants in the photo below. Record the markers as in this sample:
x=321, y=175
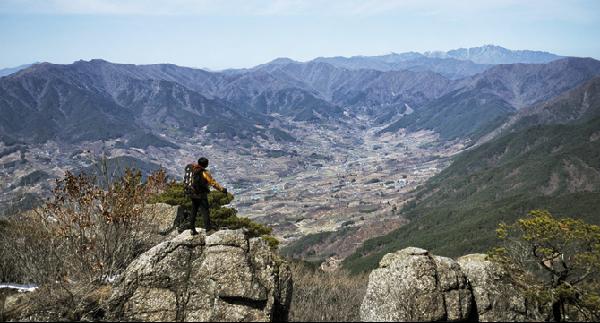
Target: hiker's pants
x=200, y=205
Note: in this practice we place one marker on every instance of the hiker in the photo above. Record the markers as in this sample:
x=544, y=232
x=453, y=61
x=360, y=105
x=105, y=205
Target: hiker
x=200, y=179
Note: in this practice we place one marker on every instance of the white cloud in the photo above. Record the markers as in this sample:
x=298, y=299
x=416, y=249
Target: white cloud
x=136, y=7
x=574, y=10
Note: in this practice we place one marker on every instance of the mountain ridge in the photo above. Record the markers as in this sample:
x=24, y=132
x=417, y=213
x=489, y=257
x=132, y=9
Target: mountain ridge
x=490, y=98
x=306, y=91
x=493, y=54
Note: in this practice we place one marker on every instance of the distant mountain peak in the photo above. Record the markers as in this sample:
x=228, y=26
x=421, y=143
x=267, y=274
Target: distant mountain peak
x=494, y=54
x=488, y=54
x=282, y=61
x=96, y=61
x=434, y=53
x=492, y=46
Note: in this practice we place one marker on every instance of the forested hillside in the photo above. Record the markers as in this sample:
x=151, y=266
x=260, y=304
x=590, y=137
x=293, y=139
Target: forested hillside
x=554, y=167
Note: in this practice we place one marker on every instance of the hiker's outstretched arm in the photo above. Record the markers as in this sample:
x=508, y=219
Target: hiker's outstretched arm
x=211, y=181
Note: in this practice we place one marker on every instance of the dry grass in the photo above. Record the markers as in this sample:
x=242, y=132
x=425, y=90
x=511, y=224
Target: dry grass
x=83, y=233
x=48, y=303
x=325, y=297
x=83, y=236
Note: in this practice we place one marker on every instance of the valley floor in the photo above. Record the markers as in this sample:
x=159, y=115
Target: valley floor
x=353, y=189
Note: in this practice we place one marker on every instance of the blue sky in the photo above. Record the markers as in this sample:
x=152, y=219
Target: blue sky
x=220, y=34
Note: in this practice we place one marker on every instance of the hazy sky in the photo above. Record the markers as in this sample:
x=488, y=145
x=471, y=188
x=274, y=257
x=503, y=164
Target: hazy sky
x=220, y=34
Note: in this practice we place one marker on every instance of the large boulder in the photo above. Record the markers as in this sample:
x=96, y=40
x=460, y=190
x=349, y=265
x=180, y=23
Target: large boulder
x=163, y=218
x=496, y=298
x=223, y=277
x=413, y=285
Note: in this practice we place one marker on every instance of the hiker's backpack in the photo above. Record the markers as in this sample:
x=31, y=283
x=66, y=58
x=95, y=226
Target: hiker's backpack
x=194, y=183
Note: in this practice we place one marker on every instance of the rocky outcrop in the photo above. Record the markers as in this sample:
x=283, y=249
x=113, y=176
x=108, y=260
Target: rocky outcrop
x=413, y=285
x=223, y=277
x=164, y=218
x=496, y=298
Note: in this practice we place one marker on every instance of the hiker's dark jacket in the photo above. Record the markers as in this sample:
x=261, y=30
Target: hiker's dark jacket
x=208, y=181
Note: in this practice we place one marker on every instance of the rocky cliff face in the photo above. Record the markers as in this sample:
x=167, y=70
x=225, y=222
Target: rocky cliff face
x=222, y=277
x=413, y=285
